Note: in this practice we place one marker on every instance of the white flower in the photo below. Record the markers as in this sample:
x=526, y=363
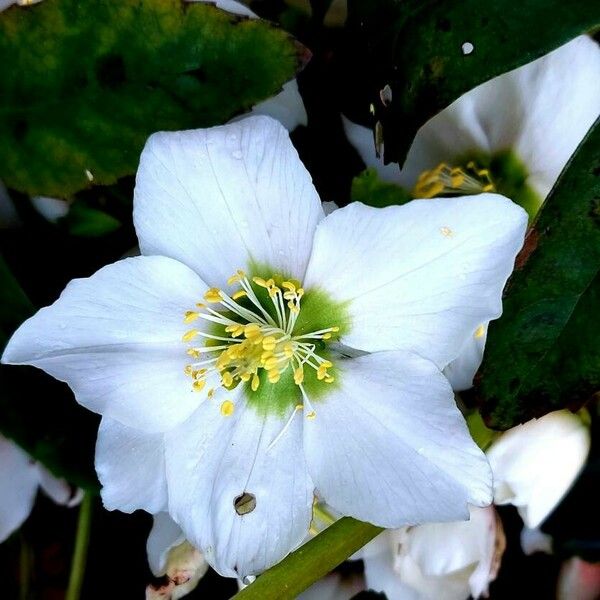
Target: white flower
x=437, y=561
x=312, y=360
x=6, y=3
x=171, y=555
x=535, y=464
x=20, y=478
x=518, y=129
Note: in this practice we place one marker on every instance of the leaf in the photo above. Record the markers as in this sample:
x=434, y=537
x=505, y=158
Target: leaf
x=311, y=561
x=86, y=221
x=85, y=82
x=416, y=47
x=369, y=189
x=543, y=354
x=37, y=412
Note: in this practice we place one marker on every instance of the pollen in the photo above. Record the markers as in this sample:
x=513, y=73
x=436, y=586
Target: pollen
x=446, y=231
x=227, y=408
x=446, y=180
x=248, y=334
x=479, y=332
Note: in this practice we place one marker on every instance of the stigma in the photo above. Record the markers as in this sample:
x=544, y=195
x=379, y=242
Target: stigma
x=253, y=339
x=444, y=180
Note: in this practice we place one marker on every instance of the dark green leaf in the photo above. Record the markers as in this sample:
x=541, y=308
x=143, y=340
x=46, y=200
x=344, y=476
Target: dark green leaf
x=416, y=47
x=543, y=353
x=369, y=189
x=37, y=412
x=311, y=561
x=84, y=82
x=86, y=221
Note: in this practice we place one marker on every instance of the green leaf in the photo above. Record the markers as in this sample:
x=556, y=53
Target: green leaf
x=416, y=47
x=369, y=189
x=543, y=354
x=37, y=412
x=86, y=221
x=311, y=561
x=85, y=82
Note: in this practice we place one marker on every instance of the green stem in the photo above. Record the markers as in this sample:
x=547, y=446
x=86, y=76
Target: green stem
x=81, y=548
x=311, y=561
x=25, y=569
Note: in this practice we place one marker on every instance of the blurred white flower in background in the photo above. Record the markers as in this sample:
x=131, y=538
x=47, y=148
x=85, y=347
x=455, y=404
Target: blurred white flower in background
x=172, y=556
x=535, y=464
x=20, y=478
x=437, y=561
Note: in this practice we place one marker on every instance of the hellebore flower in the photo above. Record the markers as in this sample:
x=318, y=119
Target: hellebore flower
x=437, y=561
x=535, y=464
x=259, y=350
x=518, y=130
x=513, y=134
x=20, y=478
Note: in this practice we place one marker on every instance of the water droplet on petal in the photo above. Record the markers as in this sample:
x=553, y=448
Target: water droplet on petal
x=248, y=579
x=237, y=154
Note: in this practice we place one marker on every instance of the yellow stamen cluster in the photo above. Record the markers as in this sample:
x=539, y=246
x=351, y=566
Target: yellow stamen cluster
x=453, y=180
x=253, y=339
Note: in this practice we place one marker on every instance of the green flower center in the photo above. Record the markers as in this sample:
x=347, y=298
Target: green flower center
x=259, y=336
x=475, y=173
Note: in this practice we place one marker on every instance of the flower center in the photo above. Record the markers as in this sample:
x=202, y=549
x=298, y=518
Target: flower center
x=453, y=180
x=254, y=332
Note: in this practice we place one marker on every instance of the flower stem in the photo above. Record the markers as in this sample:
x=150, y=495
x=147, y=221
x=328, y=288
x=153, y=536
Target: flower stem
x=81, y=548
x=25, y=568
x=311, y=561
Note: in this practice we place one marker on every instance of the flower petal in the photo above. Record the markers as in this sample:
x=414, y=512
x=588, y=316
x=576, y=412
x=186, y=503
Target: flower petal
x=286, y=106
x=534, y=464
x=212, y=460
x=18, y=487
x=115, y=338
x=389, y=445
x=422, y=276
x=131, y=468
x=164, y=535
x=58, y=489
x=218, y=199
x=461, y=370
x=561, y=92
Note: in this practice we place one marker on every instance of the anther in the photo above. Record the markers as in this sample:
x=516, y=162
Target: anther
x=188, y=336
x=213, y=295
x=227, y=408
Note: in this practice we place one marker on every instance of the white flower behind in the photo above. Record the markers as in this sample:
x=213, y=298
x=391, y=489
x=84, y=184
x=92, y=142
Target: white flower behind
x=20, y=479
x=535, y=464
x=259, y=350
x=437, y=561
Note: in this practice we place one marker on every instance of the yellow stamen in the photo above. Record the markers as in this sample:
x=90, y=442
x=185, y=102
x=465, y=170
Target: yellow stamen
x=213, y=295
x=188, y=336
x=479, y=331
x=190, y=315
x=239, y=294
x=227, y=408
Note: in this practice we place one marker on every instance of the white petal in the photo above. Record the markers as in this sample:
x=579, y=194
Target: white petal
x=441, y=549
x=562, y=96
x=213, y=459
x=287, y=107
x=58, y=489
x=18, y=487
x=535, y=464
x=131, y=468
x=231, y=6
x=390, y=447
x=52, y=209
x=217, y=199
x=164, y=535
x=381, y=576
x=461, y=370
x=363, y=141
x=115, y=338
x=6, y=3
x=422, y=276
